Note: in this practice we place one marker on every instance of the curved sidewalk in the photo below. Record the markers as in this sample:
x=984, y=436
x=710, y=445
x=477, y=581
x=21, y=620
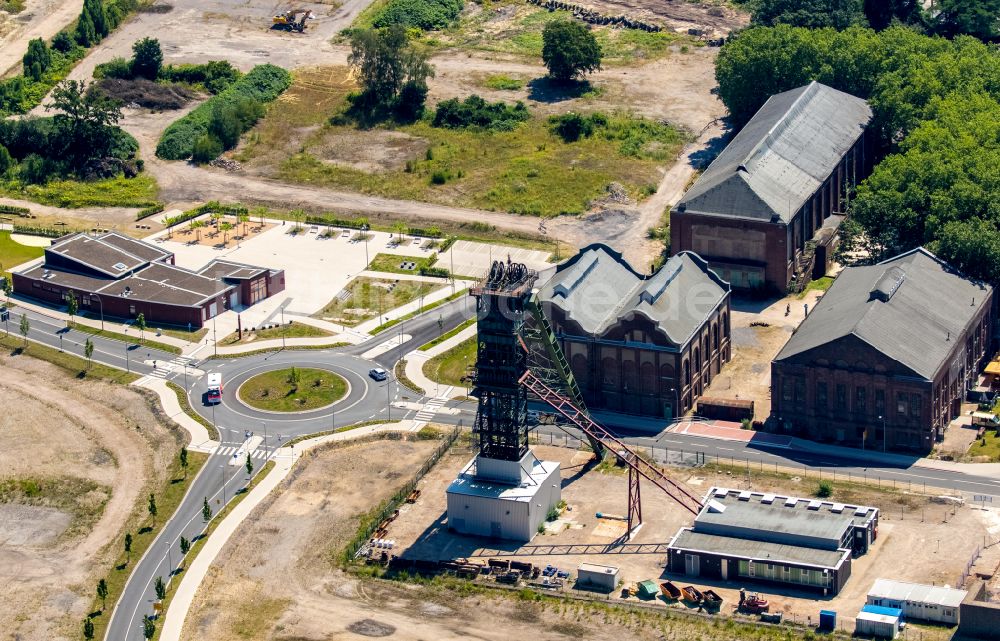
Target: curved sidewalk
x=285, y=459
x=416, y=359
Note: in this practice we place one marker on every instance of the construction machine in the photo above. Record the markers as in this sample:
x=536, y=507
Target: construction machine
x=292, y=20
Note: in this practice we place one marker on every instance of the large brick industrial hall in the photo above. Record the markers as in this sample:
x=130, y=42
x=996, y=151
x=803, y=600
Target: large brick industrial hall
x=116, y=276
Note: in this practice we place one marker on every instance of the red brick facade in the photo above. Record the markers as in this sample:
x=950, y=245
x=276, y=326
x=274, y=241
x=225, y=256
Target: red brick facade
x=845, y=391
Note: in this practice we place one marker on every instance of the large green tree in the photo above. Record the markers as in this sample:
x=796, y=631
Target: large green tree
x=85, y=120
x=147, y=58
x=37, y=59
x=387, y=65
x=882, y=13
x=570, y=50
x=838, y=14
x=979, y=18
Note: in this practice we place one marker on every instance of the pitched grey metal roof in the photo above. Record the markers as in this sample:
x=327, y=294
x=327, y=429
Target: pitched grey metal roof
x=597, y=287
x=781, y=157
x=907, y=308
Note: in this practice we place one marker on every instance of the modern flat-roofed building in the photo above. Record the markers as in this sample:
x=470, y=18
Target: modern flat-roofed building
x=937, y=603
x=886, y=357
x=639, y=344
x=764, y=214
x=116, y=276
x=744, y=535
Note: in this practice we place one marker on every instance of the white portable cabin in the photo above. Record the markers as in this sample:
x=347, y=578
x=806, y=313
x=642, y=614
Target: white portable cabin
x=936, y=603
x=882, y=626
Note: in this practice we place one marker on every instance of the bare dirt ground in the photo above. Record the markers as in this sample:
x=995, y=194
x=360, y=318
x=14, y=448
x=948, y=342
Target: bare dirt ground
x=675, y=88
x=715, y=18
x=60, y=429
x=120, y=218
x=40, y=19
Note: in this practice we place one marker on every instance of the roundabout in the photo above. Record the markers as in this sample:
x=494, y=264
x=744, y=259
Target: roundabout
x=293, y=389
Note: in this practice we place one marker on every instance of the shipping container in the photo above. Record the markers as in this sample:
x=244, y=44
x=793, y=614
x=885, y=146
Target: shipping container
x=881, y=626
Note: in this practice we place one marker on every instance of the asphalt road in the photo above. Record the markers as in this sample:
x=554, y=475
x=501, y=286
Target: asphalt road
x=371, y=400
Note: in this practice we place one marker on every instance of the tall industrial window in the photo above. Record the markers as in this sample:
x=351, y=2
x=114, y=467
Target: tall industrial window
x=821, y=395
x=841, y=396
x=860, y=400
x=915, y=405
x=880, y=402
x=902, y=403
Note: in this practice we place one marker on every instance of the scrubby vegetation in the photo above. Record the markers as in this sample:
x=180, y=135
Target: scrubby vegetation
x=476, y=112
x=146, y=93
x=637, y=137
x=147, y=63
x=420, y=14
x=392, y=74
x=219, y=121
x=46, y=64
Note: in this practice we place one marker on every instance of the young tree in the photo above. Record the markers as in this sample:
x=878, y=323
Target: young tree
x=147, y=58
x=62, y=42
x=184, y=460
x=196, y=226
x=243, y=218
x=385, y=62
x=569, y=50
x=152, y=507
x=148, y=629
x=225, y=227
x=88, y=629
x=249, y=465
x=128, y=545
x=160, y=588
x=140, y=324
x=72, y=306
x=88, y=352
x=85, y=33
x=206, y=149
x=95, y=9
x=185, y=546
x=37, y=59
x=6, y=161
x=294, y=377
x=206, y=511
x=25, y=328
x=102, y=593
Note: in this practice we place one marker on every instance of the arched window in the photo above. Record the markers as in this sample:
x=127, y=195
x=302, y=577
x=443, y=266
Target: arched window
x=687, y=371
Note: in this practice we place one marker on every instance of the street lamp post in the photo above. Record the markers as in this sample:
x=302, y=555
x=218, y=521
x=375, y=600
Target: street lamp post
x=364, y=234
x=883, y=434
x=215, y=333
x=213, y=421
x=282, y=309
x=60, y=342
x=451, y=253
x=101, y=304
x=185, y=377
x=170, y=563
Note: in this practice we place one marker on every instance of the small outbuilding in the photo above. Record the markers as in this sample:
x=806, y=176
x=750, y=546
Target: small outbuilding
x=882, y=623
x=591, y=576
x=936, y=603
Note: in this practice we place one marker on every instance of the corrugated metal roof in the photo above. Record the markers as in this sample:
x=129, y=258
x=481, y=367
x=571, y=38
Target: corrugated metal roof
x=915, y=325
x=917, y=592
x=597, y=288
x=782, y=156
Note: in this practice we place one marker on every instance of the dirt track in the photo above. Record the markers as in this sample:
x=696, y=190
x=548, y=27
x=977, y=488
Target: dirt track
x=56, y=426
x=40, y=19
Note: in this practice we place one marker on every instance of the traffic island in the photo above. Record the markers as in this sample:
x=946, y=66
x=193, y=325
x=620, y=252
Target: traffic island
x=293, y=389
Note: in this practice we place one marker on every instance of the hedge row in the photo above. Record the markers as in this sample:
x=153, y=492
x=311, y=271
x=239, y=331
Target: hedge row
x=422, y=14
x=211, y=207
x=152, y=210
x=263, y=84
x=11, y=209
x=48, y=232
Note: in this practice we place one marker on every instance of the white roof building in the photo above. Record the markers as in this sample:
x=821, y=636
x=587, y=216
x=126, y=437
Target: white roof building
x=917, y=601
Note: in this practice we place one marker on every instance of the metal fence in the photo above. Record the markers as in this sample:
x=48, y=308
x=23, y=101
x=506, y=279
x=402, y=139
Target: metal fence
x=968, y=567
x=371, y=522
x=677, y=457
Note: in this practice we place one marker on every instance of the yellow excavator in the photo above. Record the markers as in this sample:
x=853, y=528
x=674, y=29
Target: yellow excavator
x=292, y=20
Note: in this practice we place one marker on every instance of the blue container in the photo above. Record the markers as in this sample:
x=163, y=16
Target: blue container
x=827, y=620
x=878, y=609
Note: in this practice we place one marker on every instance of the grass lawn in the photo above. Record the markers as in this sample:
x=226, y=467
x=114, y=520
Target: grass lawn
x=989, y=446
x=368, y=295
x=292, y=330
x=168, y=498
x=272, y=391
x=818, y=284
x=133, y=338
x=530, y=170
x=75, y=365
x=449, y=368
x=193, y=336
x=83, y=499
x=443, y=337
x=391, y=263
x=13, y=254
x=140, y=191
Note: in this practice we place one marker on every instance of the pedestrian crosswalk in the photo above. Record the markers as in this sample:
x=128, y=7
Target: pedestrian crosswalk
x=229, y=450
x=163, y=369
x=428, y=411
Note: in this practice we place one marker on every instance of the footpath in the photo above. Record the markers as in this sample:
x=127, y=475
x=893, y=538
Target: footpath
x=285, y=459
x=416, y=359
